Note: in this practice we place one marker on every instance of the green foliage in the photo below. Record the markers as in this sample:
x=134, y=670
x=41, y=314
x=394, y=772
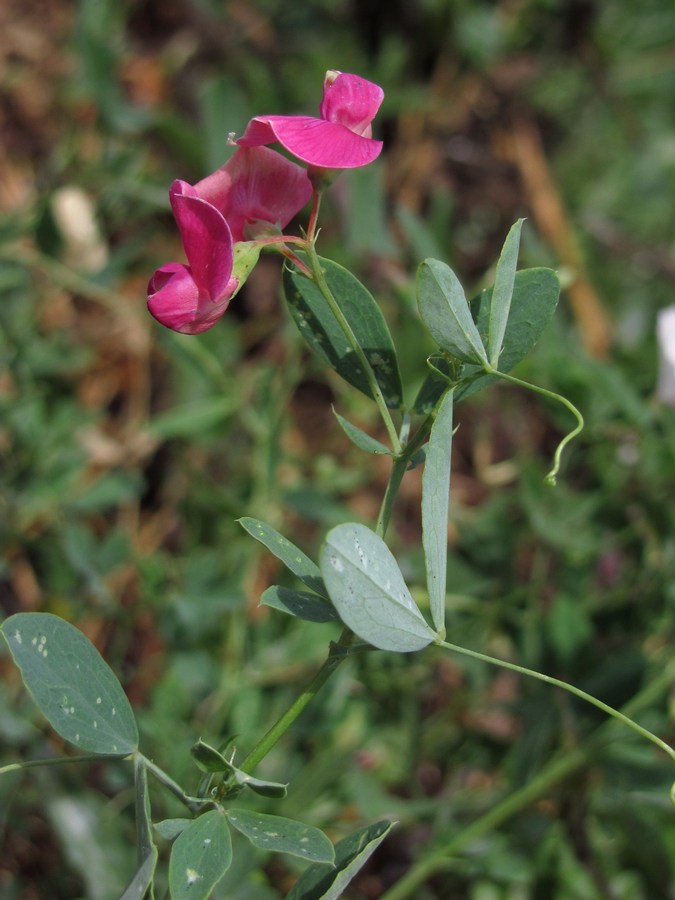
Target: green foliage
x=445, y=312
x=502, y=294
x=143, y=880
x=140, y=544
x=362, y=440
x=533, y=303
x=200, y=856
x=368, y=590
x=324, y=334
x=280, y=835
x=290, y=555
x=435, y=500
x=298, y=603
x=351, y=854
x=76, y=690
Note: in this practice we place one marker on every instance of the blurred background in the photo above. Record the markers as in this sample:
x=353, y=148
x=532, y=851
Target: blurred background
x=128, y=452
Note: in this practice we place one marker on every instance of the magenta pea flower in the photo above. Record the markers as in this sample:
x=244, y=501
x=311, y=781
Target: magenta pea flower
x=340, y=139
x=255, y=193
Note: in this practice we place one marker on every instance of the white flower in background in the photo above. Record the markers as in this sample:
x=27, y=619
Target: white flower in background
x=75, y=219
x=665, y=334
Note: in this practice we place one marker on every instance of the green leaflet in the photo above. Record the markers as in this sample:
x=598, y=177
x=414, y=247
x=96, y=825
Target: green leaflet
x=323, y=333
x=319, y=882
x=361, y=439
x=75, y=689
x=445, y=312
x=435, y=500
x=290, y=555
x=300, y=604
x=200, y=856
x=368, y=590
x=502, y=292
x=280, y=835
x=534, y=300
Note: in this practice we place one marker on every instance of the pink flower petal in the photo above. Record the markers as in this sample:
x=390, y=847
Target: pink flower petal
x=351, y=101
x=175, y=301
x=206, y=238
x=326, y=145
x=256, y=184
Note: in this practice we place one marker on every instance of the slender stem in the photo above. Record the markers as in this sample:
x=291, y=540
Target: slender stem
x=570, y=688
x=322, y=285
x=144, y=845
x=282, y=725
x=398, y=471
x=193, y=803
x=557, y=769
x=314, y=214
x=297, y=262
x=56, y=761
x=66, y=277
x=274, y=239
x=551, y=477
x=340, y=650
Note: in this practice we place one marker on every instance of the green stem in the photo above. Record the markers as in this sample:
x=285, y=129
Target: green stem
x=314, y=214
x=194, y=804
x=551, y=477
x=570, y=688
x=297, y=262
x=56, y=761
x=66, y=277
x=322, y=284
x=282, y=724
x=341, y=649
x=437, y=859
x=398, y=471
x=556, y=770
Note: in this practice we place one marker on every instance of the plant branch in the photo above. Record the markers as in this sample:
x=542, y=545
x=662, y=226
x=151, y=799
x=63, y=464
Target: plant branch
x=56, y=761
x=551, y=477
x=282, y=724
x=570, y=688
x=194, y=804
x=399, y=467
x=557, y=770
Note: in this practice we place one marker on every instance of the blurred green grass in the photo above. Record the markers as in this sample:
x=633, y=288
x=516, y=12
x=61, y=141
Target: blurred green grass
x=128, y=452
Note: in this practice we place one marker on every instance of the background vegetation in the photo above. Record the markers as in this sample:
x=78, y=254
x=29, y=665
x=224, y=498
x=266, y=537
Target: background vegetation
x=128, y=452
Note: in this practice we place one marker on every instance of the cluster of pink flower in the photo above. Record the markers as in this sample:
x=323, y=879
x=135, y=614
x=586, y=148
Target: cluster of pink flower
x=255, y=195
